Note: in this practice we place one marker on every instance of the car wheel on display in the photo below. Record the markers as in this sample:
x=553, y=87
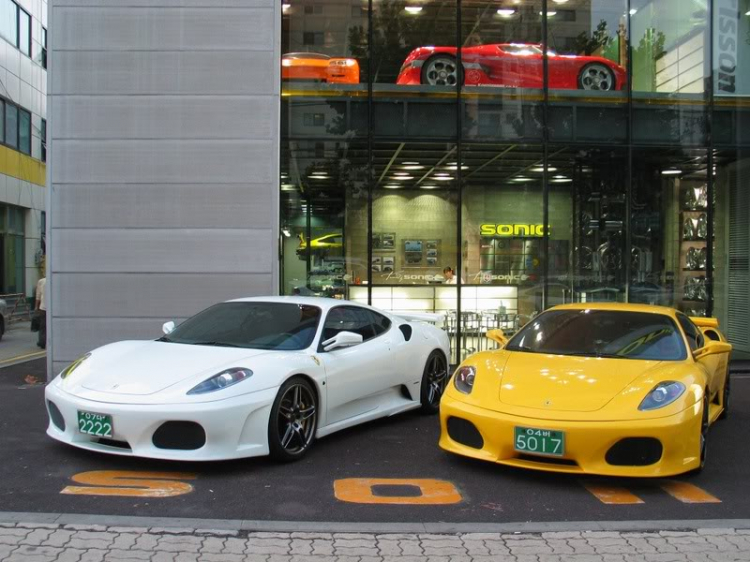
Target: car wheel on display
x=596, y=76
x=434, y=380
x=725, y=395
x=441, y=70
x=293, y=421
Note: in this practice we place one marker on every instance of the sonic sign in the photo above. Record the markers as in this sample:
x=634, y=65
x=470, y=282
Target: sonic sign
x=513, y=230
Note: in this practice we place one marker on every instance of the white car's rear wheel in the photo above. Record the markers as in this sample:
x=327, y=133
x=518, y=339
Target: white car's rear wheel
x=293, y=421
x=434, y=379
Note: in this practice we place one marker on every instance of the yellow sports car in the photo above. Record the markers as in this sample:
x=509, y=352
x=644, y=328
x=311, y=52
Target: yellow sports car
x=324, y=243
x=610, y=389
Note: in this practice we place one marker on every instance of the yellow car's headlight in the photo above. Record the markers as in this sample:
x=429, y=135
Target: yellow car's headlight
x=662, y=395
x=73, y=366
x=463, y=380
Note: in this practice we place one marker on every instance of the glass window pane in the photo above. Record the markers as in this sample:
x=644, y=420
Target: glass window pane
x=24, y=27
x=11, y=125
x=9, y=21
x=44, y=140
x=670, y=70
x=24, y=131
x=2, y=121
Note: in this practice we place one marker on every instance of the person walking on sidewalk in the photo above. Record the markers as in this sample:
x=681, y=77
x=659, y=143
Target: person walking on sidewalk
x=41, y=310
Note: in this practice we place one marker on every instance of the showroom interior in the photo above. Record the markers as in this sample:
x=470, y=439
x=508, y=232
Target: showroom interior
x=582, y=150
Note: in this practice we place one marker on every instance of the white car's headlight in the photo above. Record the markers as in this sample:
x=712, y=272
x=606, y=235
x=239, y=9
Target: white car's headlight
x=662, y=395
x=463, y=380
x=73, y=366
x=222, y=380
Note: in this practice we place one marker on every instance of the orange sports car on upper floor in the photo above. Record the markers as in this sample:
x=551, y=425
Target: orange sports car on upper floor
x=316, y=67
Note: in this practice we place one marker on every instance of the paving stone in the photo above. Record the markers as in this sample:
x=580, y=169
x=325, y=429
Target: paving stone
x=146, y=542
x=78, y=527
x=29, y=553
x=60, y=537
x=388, y=547
x=7, y=525
x=253, y=547
x=562, y=535
x=178, y=543
x=125, y=541
x=6, y=549
x=475, y=548
x=531, y=550
x=410, y=547
x=600, y=535
x=37, y=537
x=678, y=533
x=560, y=546
x=85, y=544
x=322, y=547
x=264, y=535
x=212, y=545
x=163, y=557
x=354, y=543
x=581, y=546
x=70, y=555
x=234, y=546
x=581, y=558
x=641, y=545
x=311, y=536
x=14, y=532
x=123, y=554
x=404, y=559
x=443, y=542
x=665, y=557
x=218, y=532
x=310, y=558
x=354, y=551
x=717, y=531
x=186, y=557
x=398, y=536
x=429, y=550
x=354, y=536
x=300, y=546
x=214, y=557
x=171, y=530
x=497, y=547
x=606, y=542
x=662, y=546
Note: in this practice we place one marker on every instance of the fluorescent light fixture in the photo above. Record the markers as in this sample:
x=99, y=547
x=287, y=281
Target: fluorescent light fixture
x=319, y=176
x=413, y=10
x=402, y=178
x=285, y=231
x=410, y=163
x=671, y=172
x=287, y=187
x=392, y=186
x=413, y=167
x=521, y=179
x=506, y=12
x=549, y=14
x=559, y=1
x=454, y=166
x=443, y=178
x=428, y=187
x=540, y=169
x=562, y=180
x=401, y=173
x=285, y=7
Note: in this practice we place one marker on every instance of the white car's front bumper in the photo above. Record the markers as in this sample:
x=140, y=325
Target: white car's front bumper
x=234, y=428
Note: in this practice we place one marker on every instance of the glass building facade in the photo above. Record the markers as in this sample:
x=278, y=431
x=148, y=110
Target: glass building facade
x=547, y=151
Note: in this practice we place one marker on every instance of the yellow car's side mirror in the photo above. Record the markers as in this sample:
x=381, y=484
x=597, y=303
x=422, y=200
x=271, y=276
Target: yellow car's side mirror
x=497, y=336
x=712, y=348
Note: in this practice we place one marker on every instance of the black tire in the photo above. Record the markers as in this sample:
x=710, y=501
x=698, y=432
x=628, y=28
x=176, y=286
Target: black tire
x=597, y=76
x=725, y=396
x=293, y=421
x=434, y=381
x=705, y=423
x=452, y=69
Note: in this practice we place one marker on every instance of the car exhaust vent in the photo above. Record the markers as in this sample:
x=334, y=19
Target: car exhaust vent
x=464, y=432
x=114, y=444
x=56, y=416
x=180, y=435
x=406, y=330
x=547, y=460
x=635, y=451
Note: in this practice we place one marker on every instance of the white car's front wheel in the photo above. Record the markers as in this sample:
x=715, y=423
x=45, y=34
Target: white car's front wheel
x=434, y=380
x=293, y=421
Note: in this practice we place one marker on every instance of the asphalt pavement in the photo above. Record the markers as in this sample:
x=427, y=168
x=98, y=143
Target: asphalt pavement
x=387, y=471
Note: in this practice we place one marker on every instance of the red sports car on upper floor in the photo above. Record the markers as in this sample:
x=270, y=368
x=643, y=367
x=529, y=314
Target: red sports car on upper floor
x=510, y=65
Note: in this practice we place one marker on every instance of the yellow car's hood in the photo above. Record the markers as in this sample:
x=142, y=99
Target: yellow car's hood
x=567, y=384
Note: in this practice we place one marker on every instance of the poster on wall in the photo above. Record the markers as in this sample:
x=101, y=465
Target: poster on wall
x=389, y=263
x=383, y=240
x=413, y=253
x=731, y=35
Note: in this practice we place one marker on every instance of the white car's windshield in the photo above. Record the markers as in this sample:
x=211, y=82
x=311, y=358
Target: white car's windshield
x=254, y=325
x=602, y=333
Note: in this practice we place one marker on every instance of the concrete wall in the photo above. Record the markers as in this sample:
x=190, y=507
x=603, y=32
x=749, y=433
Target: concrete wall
x=163, y=163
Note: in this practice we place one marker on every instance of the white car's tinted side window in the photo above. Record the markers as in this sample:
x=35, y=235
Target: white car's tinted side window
x=348, y=319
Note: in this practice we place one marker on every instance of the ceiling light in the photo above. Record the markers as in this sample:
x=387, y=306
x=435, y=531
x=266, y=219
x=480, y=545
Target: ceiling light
x=285, y=7
x=559, y=1
x=562, y=180
x=521, y=179
x=506, y=12
x=428, y=187
x=443, y=178
x=540, y=169
x=402, y=178
x=401, y=173
x=287, y=187
x=410, y=163
x=392, y=186
x=454, y=166
x=633, y=11
x=319, y=176
x=285, y=231
x=549, y=14
x=413, y=167
x=414, y=10
x=671, y=172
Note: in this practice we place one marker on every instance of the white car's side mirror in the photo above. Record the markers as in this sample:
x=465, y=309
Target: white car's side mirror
x=342, y=339
x=168, y=327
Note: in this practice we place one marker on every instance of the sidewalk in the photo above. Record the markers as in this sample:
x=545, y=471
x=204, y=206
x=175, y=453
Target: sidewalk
x=19, y=344
x=38, y=542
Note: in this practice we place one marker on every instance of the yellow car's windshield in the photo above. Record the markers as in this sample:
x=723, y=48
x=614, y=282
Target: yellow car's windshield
x=602, y=333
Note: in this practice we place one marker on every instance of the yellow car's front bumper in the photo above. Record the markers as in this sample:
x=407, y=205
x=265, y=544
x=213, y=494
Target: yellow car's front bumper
x=586, y=442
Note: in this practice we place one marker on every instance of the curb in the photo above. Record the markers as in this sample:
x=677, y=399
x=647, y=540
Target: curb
x=197, y=525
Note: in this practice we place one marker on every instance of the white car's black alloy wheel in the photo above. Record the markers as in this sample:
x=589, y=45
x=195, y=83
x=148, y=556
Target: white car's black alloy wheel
x=434, y=380
x=293, y=421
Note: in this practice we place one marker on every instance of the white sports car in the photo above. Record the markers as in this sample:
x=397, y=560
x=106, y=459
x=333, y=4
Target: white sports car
x=249, y=377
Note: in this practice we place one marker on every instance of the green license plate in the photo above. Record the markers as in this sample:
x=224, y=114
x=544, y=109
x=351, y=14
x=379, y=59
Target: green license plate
x=99, y=425
x=539, y=441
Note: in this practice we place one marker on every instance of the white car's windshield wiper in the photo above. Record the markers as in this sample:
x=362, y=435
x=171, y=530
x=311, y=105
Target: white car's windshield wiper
x=165, y=339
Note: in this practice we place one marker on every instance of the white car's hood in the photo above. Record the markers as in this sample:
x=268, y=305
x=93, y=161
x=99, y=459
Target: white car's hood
x=140, y=368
